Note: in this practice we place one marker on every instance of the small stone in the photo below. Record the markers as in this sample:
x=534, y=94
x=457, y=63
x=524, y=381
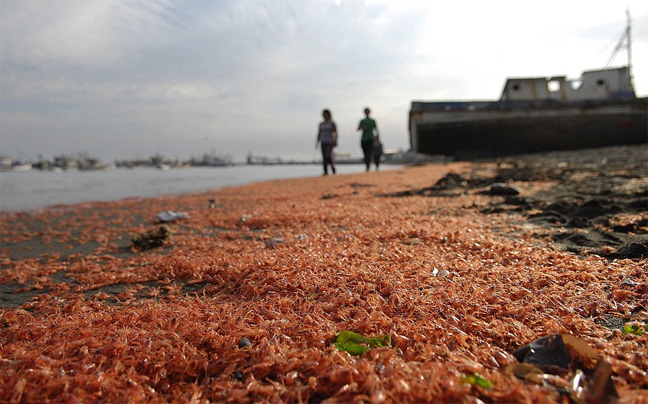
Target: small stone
x=244, y=343
x=500, y=188
x=275, y=241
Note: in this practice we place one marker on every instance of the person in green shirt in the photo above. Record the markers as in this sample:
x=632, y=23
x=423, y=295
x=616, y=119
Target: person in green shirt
x=369, y=138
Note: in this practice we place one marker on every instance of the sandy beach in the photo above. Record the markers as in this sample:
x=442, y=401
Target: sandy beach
x=459, y=265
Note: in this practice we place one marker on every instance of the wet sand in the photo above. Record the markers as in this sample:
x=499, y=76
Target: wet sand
x=306, y=258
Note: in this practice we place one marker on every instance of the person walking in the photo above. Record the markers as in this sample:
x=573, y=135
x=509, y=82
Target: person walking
x=370, y=137
x=327, y=137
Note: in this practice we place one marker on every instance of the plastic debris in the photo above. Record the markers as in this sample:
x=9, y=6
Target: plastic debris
x=545, y=352
x=356, y=344
x=444, y=273
x=562, y=355
x=525, y=371
x=600, y=388
x=170, y=216
x=629, y=282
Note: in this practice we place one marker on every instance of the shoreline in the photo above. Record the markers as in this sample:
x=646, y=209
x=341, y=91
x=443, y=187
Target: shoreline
x=30, y=191
x=287, y=264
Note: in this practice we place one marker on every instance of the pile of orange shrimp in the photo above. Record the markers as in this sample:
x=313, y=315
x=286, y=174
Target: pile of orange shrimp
x=286, y=265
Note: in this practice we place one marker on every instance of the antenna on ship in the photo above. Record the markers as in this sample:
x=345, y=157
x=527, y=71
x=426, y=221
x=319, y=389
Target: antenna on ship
x=625, y=42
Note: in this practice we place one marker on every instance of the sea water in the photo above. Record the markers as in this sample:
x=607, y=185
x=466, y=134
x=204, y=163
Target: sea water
x=35, y=189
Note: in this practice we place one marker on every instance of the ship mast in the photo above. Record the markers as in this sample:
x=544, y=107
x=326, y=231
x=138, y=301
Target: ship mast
x=625, y=42
x=629, y=47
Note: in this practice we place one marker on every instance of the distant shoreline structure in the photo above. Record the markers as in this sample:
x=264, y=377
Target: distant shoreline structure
x=82, y=162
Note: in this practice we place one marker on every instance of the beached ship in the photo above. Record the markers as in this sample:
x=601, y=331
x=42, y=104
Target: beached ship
x=535, y=115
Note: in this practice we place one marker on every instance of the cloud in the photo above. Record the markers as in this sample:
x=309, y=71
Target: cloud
x=118, y=78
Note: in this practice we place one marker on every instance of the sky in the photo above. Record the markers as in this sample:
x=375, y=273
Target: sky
x=126, y=79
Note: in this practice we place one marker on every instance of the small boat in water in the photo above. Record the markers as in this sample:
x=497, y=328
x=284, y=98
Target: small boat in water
x=535, y=115
x=8, y=164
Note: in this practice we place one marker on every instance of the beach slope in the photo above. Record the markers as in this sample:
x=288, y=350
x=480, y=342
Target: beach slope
x=443, y=272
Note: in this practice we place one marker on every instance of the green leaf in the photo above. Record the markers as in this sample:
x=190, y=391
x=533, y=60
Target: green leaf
x=477, y=380
x=634, y=329
x=381, y=340
x=351, y=342
x=356, y=344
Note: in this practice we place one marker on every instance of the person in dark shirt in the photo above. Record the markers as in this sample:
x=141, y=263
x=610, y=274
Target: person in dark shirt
x=327, y=137
x=370, y=137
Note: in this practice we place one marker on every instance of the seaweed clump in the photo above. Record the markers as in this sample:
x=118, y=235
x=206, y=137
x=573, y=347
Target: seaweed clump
x=151, y=239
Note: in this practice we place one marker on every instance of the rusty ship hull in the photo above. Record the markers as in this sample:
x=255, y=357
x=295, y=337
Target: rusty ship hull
x=500, y=128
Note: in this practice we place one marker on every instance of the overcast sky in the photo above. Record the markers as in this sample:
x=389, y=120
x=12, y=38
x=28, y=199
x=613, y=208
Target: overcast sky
x=131, y=78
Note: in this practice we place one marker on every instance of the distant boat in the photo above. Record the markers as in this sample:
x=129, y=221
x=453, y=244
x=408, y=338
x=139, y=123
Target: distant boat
x=107, y=167
x=263, y=160
x=535, y=115
x=7, y=164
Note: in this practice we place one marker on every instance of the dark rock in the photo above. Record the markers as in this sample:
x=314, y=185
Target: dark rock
x=244, y=343
x=500, y=188
x=633, y=250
